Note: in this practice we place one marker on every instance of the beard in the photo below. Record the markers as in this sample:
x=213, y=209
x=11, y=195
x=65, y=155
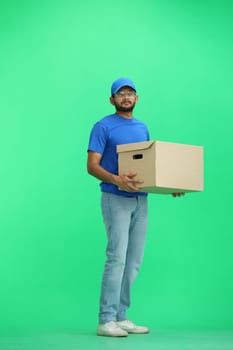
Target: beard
x=124, y=109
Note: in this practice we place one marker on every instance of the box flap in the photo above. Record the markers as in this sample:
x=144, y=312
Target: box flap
x=134, y=146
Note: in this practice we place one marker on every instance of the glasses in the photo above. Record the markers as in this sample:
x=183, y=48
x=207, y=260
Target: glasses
x=124, y=93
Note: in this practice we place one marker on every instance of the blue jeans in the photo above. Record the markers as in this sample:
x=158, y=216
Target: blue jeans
x=125, y=220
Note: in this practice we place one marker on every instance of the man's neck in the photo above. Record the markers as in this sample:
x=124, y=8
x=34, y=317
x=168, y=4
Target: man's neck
x=127, y=115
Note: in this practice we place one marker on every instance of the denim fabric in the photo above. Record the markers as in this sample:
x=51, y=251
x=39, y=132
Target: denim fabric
x=125, y=220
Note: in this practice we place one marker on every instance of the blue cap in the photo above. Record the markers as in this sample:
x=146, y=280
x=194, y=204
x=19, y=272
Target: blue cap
x=119, y=83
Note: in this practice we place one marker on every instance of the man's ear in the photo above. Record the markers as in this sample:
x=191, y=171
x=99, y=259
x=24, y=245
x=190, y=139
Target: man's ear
x=111, y=99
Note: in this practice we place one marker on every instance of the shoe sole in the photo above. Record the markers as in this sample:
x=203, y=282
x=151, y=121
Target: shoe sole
x=136, y=332
x=113, y=335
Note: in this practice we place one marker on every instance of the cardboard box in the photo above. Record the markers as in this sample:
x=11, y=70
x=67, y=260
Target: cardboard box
x=165, y=167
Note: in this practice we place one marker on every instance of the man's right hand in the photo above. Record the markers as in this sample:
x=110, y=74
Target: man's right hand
x=128, y=183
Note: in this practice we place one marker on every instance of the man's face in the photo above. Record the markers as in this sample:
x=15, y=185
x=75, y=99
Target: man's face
x=125, y=99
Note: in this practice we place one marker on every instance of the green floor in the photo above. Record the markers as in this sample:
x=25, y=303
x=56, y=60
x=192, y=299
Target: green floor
x=84, y=340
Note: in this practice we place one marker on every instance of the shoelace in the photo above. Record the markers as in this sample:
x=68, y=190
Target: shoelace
x=130, y=323
x=113, y=325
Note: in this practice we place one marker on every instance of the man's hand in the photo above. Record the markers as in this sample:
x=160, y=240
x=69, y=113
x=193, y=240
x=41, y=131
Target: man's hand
x=178, y=194
x=128, y=183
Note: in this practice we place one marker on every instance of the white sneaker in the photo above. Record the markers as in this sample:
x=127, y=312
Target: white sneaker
x=132, y=328
x=111, y=329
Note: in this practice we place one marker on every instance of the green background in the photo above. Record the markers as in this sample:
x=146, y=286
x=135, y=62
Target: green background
x=58, y=60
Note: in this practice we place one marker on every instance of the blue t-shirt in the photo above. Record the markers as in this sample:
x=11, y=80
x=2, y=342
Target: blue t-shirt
x=109, y=132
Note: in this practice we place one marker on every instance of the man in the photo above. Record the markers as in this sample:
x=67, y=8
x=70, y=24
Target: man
x=124, y=209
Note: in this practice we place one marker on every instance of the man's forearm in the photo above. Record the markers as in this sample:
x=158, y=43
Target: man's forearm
x=100, y=173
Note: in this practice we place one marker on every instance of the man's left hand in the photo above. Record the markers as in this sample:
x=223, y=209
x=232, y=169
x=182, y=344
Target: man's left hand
x=178, y=194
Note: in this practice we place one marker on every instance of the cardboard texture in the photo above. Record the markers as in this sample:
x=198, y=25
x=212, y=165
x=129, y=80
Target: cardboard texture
x=165, y=167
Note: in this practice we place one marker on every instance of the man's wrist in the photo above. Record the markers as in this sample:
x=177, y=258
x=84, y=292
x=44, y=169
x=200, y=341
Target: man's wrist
x=115, y=180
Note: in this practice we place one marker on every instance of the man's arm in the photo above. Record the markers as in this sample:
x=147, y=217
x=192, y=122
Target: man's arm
x=126, y=182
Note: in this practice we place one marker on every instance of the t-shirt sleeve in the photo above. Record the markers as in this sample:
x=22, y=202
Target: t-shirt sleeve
x=148, y=134
x=98, y=138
